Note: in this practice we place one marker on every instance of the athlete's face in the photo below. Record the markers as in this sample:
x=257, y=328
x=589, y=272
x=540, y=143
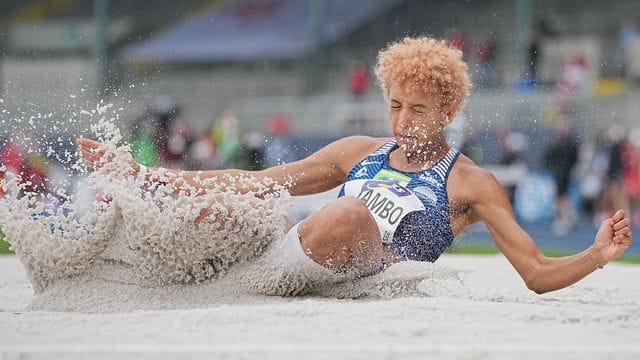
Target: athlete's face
x=416, y=119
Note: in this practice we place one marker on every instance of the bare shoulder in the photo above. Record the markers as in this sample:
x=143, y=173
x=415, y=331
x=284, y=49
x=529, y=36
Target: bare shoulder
x=349, y=150
x=472, y=183
x=361, y=144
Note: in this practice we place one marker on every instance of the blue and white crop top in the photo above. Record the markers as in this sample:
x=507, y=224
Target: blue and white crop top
x=410, y=208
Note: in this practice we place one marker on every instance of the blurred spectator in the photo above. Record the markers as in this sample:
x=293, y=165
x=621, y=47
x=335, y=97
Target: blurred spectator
x=34, y=174
x=631, y=172
x=513, y=156
x=515, y=146
x=358, y=80
x=485, y=52
x=590, y=170
x=203, y=152
x=572, y=80
x=10, y=159
x=534, y=60
x=543, y=28
x=11, y=156
x=225, y=133
x=143, y=142
x=253, y=151
x=174, y=136
x=456, y=39
x=560, y=158
x=602, y=182
x=627, y=35
x=32, y=169
x=278, y=142
x=179, y=142
x=614, y=195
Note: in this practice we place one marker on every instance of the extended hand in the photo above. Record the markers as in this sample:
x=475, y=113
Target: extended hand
x=94, y=155
x=91, y=153
x=613, y=237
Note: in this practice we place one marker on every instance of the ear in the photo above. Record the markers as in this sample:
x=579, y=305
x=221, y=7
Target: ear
x=448, y=117
x=446, y=120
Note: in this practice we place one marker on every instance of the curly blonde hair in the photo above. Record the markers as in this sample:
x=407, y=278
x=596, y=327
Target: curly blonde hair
x=427, y=65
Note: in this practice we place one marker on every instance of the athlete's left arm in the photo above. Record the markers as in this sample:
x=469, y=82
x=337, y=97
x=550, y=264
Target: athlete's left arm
x=541, y=273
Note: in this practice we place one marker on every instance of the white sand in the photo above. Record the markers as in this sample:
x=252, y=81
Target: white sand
x=133, y=277
x=465, y=307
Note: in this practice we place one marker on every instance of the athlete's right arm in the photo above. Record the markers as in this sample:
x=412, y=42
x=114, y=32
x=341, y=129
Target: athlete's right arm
x=321, y=171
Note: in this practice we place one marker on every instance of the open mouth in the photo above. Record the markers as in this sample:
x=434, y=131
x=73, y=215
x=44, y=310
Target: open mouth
x=407, y=138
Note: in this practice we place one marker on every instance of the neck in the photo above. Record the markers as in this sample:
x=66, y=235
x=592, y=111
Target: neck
x=428, y=154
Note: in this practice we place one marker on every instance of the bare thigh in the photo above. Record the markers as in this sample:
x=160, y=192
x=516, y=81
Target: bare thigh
x=342, y=235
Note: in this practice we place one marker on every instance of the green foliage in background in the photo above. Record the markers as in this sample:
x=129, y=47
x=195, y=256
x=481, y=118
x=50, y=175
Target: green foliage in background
x=4, y=246
x=467, y=249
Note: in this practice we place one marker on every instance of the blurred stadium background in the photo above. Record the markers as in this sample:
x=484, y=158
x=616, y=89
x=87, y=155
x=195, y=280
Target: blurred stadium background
x=249, y=83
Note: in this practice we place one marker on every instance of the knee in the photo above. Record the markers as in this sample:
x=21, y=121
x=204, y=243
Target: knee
x=348, y=212
x=339, y=232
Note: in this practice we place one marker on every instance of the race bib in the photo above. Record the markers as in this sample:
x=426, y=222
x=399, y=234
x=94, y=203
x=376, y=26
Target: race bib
x=387, y=201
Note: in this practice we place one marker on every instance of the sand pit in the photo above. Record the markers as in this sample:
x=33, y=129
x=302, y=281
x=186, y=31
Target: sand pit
x=128, y=275
x=463, y=307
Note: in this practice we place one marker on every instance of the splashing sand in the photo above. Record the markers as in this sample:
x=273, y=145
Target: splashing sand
x=150, y=233
x=135, y=248
x=139, y=252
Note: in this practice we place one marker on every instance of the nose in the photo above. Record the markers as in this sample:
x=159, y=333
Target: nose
x=404, y=119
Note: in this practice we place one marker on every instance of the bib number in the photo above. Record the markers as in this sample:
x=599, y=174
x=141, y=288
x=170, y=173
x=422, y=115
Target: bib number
x=387, y=201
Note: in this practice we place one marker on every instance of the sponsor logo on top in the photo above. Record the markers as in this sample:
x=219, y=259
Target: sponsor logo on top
x=428, y=178
x=369, y=162
x=396, y=189
x=361, y=173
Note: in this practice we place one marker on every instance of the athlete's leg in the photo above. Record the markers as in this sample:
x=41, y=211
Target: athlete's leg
x=343, y=234
x=210, y=207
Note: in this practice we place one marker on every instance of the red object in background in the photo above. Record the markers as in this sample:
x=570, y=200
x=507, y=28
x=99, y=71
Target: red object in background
x=358, y=80
x=484, y=52
x=456, y=40
x=34, y=174
x=11, y=159
x=631, y=169
x=277, y=125
x=574, y=72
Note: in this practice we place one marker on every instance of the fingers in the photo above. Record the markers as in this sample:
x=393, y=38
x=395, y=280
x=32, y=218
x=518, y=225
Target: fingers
x=91, y=157
x=619, y=215
x=621, y=227
x=87, y=143
x=90, y=152
x=623, y=235
x=621, y=224
x=623, y=231
x=623, y=240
